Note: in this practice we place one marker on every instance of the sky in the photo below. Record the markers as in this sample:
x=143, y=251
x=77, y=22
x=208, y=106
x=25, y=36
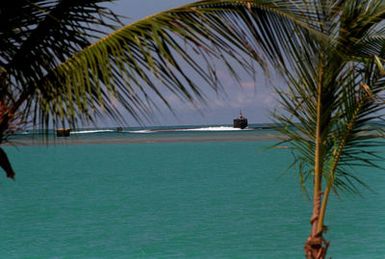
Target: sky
x=253, y=96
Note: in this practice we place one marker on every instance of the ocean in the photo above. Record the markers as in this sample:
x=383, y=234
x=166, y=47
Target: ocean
x=173, y=192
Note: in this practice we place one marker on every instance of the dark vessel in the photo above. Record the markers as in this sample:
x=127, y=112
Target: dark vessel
x=240, y=122
x=63, y=132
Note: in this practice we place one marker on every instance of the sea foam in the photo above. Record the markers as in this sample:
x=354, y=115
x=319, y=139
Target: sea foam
x=90, y=131
x=218, y=128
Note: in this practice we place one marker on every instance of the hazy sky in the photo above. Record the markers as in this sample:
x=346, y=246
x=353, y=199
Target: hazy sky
x=255, y=99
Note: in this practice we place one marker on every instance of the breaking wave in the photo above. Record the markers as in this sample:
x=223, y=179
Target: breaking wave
x=91, y=131
x=202, y=129
x=140, y=131
x=218, y=128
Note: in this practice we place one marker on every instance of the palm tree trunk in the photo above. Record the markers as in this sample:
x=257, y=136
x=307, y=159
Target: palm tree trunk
x=316, y=246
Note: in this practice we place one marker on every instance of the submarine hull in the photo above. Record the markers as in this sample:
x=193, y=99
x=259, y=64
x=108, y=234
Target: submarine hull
x=240, y=123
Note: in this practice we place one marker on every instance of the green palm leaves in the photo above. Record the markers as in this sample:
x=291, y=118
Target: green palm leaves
x=36, y=37
x=56, y=70
x=352, y=123
x=129, y=65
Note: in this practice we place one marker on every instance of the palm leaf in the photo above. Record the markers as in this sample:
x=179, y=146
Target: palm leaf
x=71, y=79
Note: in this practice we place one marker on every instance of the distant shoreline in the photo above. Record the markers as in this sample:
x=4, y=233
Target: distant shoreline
x=172, y=134
x=80, y=140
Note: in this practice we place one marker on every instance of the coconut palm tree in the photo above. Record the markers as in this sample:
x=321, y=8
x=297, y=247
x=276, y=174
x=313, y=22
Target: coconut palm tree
x=331, y=55
x=333, y=102
x=58, y=66
x=334, y=94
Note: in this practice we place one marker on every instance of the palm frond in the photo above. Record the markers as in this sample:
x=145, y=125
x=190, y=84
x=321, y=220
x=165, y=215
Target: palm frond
x=72, y=79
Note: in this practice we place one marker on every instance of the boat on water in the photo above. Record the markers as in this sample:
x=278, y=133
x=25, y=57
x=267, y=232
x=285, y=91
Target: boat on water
x=63, y=132
x=240, y=122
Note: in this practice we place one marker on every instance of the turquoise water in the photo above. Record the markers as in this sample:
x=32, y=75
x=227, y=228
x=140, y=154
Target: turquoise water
x=198, y=199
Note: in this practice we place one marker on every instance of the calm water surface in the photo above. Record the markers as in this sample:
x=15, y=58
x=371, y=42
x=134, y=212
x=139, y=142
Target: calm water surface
x=174, y=200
